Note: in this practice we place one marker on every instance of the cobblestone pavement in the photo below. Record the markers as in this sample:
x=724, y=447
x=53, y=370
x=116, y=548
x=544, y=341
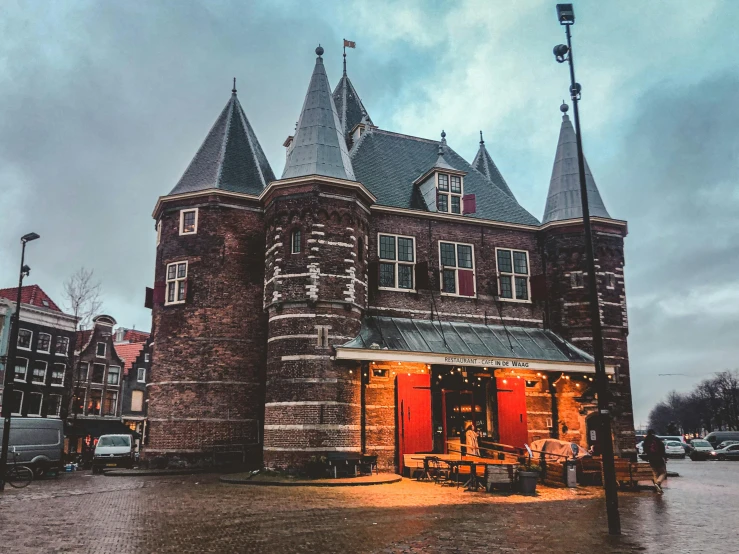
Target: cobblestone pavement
x=79, y=512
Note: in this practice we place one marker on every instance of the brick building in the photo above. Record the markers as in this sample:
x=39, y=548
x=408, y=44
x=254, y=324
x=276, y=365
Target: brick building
x=379, y=296
x=43, y=364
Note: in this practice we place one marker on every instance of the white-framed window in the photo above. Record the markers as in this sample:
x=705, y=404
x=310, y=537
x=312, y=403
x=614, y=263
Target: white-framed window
x=513, y=275
x=449, y=193
x=21, y=369
x=159, y=232
x=397, y=256
x=34, y=403
x=82, y=372
x=176, y=283
x=141, y=375
x=100, y=350
x=457, y=263
x=146, y=357
x=44, y=343
x=114, y=375
x=57, y=375
x=24, y=339
x=577, y=279
x=98, y=373
x=137, y=401
x=111, y=401
x=296, y=244
x=17, y=405
x=53, y=405
x=61, y=346
x=38, y=375
x=189, y=221
x=610, y=280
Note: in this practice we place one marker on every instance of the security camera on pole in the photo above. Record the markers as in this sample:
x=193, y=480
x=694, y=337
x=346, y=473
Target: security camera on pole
x=563, y=53
x=10, y=362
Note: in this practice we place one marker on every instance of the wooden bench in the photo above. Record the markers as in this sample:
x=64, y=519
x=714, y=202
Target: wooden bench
x=346, y=462
x=629, y=474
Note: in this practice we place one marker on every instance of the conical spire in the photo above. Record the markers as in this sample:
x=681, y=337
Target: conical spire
x=349, y=105
x=484, y=163
x=319, y=147
x=230, y=158
x=564, y=200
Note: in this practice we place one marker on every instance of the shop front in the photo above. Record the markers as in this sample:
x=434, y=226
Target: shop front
x=427, y=383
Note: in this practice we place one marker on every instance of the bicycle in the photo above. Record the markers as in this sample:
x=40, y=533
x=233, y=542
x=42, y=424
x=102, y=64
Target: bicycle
x=17, y=475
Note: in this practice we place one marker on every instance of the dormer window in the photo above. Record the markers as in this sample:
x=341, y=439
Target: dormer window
x=449, y=193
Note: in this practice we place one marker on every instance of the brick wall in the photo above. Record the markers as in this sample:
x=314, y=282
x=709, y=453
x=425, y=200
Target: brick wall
x=206, y=385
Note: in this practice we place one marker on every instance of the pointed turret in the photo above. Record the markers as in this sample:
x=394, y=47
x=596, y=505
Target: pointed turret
x=564, y=200
x=484, y=163
x=230, y=158
x=319, y=146
x=349, y=106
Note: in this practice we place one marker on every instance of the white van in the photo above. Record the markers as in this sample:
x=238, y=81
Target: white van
x=113, y=451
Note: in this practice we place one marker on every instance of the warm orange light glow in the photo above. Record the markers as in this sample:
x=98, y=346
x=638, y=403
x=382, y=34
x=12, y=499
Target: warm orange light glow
x=505, y=381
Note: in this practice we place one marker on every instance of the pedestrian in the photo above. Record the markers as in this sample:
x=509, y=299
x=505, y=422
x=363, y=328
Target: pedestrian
x=470, y=439
x=654, y=448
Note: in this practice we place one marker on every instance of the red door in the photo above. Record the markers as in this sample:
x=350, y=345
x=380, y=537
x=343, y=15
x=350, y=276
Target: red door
x=512, y=422
x=414, y=414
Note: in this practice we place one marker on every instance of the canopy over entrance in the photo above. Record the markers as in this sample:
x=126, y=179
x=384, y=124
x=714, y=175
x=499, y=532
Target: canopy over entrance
x=467, y=344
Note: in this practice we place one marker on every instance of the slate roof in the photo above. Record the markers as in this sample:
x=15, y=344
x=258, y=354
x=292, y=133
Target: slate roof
x=31, y=294
x=387, y=164
x=319, y=146
x=465, y=339
x=484, y=163
x=348, y=105
x=230, y=158
x=564, y=200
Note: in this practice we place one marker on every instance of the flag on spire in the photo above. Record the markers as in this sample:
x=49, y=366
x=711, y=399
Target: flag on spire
x=349, y=44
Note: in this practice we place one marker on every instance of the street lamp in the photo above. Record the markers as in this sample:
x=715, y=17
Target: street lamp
x=563, y=53
x=10, y=361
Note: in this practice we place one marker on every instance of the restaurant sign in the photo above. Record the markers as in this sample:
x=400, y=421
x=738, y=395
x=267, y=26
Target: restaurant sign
x=486, y=362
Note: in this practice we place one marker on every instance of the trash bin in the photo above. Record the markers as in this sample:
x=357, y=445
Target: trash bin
x=571, y=473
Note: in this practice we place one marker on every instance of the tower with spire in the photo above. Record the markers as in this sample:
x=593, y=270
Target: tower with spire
x=563, y=240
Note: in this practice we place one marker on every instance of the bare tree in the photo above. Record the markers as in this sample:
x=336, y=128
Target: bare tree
x=82, y=297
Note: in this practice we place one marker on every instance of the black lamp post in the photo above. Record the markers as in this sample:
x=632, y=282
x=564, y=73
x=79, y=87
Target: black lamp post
x=563, y=53
x=10, y=361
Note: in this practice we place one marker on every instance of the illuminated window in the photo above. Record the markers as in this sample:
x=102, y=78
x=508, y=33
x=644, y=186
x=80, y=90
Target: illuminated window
x=21, y=369
x=189, y=221
x=94, y=402
x=39, y=372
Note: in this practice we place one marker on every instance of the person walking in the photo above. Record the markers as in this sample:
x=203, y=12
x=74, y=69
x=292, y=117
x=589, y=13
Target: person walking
x=654, y=448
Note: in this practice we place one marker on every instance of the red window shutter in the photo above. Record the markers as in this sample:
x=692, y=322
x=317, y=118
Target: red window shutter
x=538, y=288
x=149, y=298
x=469, y=204
x=466, y=282
x=160, y=292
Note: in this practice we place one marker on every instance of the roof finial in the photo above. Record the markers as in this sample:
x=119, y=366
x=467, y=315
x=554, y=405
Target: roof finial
x=319, y=51
x=441, y=149
x=481, y=141
x=443, y=136
x=564, y=107
x=233, y=90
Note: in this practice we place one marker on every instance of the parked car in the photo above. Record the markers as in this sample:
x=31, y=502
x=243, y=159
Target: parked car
x=700, y=449
x=674, y=449
x=724, y=444
x=38, y=442
x=731, y=452
x=717, y=437
x=113, y=451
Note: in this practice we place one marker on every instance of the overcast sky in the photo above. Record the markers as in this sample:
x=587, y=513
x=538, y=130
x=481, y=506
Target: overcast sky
x=103, y=104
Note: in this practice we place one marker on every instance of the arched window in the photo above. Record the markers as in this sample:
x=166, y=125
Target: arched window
x=295, y=242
